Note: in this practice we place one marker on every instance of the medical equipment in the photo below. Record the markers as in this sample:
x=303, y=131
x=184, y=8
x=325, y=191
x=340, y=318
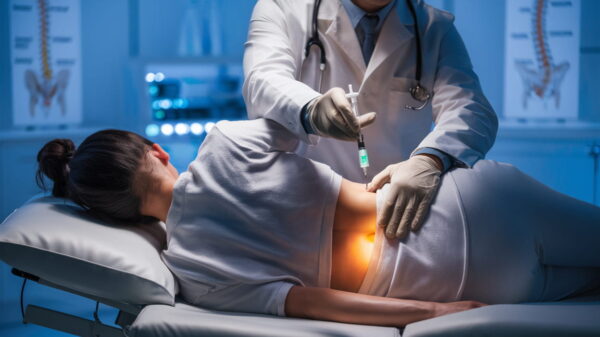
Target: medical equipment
x=418, y=92
x=38, y=240
x=363, y=157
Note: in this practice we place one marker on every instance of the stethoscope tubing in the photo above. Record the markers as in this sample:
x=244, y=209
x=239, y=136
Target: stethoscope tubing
x=418, y=92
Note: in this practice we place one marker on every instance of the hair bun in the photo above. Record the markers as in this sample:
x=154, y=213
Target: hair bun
x=53, y=161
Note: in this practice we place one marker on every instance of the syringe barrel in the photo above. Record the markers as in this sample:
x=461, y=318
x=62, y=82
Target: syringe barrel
x=363, y=157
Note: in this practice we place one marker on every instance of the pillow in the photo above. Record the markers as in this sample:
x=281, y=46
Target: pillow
x=56, y=240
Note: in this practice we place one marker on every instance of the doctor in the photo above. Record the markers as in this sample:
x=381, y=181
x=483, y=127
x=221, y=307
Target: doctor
x=411, y=68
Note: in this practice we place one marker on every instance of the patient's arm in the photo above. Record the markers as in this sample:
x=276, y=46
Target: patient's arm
x=341, y=306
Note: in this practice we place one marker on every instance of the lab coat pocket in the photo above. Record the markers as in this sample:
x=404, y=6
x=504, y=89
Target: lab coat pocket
x=402, y=84
x=410, y=126
x=400, y=97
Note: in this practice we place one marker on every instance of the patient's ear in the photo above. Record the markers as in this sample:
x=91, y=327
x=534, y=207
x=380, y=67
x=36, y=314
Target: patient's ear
x=158, y=152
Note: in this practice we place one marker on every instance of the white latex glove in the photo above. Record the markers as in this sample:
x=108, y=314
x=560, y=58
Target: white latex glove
x=331, y=115
x=413, y=184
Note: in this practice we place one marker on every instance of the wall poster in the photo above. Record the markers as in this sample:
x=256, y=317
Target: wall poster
x=542, y=59
x=45, y=52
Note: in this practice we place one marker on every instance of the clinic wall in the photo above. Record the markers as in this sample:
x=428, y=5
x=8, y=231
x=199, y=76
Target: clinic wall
x=482, y=25
x=557, y=155
x=5, y=79
x=104, y=45
x=160, y=25
x=589, y=82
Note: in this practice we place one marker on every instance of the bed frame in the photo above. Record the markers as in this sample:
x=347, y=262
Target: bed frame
x=573, y=317
x=74, y=324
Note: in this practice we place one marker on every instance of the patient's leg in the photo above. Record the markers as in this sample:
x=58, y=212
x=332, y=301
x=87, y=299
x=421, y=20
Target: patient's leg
x=527, y=242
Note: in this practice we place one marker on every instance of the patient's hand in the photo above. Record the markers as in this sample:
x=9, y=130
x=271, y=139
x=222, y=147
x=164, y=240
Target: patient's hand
x=452, y=307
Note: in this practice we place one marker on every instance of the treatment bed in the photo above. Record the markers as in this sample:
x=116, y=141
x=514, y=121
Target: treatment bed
x=53, y=242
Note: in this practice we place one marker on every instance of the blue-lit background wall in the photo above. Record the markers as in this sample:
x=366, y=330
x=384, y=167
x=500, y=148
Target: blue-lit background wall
x=121, y=39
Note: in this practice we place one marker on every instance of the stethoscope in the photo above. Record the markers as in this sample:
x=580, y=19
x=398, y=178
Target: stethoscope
x=418, y=92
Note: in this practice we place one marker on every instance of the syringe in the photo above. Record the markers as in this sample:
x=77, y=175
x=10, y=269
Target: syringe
x=363, y=157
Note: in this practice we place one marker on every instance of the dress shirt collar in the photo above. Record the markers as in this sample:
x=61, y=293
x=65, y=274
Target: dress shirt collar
x=355, y=13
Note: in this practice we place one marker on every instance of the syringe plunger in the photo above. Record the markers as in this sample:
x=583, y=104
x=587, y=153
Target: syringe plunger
x=363, y=157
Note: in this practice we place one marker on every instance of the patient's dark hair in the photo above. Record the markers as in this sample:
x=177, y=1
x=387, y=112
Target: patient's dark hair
x=100, y=175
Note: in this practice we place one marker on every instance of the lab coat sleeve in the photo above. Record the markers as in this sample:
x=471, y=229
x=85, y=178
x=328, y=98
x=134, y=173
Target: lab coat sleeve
x=465, y=122
x=271, y=64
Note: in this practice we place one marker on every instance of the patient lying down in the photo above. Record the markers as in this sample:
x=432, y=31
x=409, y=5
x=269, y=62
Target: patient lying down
x=253, y=227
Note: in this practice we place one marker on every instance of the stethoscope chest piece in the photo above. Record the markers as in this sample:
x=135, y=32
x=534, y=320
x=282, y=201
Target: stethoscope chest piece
x=420, y=94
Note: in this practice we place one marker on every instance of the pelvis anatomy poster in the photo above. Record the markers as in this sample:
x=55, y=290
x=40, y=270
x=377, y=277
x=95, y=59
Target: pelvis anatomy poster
x=45, y=46
x=542, y=59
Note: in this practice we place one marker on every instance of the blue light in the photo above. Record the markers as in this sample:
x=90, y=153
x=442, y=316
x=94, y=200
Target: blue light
x=153, y=90
x=155, y=105
x=209, y=126
x=166, y=129
x=197, y=129
x=182, y=128
x=152, y=130
x=165, y=103
x=150, y=77
x=159, y=114
x=158, y=77
x=178, y=103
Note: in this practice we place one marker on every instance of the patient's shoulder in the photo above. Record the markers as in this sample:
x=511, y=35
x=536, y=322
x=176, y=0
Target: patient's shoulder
x=262, y=135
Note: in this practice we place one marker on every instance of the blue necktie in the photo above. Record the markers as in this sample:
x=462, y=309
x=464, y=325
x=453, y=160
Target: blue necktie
x=367, y=35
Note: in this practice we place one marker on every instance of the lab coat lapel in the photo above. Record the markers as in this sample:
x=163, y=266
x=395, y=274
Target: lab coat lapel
x=341, y=33
x=393, y=35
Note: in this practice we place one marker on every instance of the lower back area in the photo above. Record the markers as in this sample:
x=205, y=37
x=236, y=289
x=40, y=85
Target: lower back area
x=353, y=236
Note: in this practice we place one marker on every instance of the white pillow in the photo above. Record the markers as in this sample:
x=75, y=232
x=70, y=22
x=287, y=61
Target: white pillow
x=56, y=240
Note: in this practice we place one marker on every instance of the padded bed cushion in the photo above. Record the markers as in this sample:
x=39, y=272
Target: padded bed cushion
x=536, y=319
x=184, y=320
x=56, y=240
x=575, y=317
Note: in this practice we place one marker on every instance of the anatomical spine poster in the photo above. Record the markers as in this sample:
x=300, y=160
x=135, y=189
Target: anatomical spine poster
x=45, y=48
x=542, y=59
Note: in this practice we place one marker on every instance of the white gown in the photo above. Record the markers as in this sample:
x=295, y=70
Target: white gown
x=249, y=219
x=495, y=235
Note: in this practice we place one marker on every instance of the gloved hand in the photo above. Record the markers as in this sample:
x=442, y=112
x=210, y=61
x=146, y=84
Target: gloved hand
x=330, y=115
x=413, y=185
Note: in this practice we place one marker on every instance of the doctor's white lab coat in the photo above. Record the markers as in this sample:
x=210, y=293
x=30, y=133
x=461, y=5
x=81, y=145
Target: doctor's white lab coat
x=279, y=81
